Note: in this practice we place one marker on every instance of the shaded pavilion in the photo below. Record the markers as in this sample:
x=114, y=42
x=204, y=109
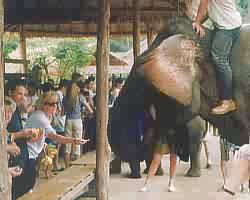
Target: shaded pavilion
x=60, y=18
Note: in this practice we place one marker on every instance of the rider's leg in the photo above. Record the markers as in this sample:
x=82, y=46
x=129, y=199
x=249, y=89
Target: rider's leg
x=221, y=48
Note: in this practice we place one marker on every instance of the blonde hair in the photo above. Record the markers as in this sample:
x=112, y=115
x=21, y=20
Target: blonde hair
x=45, y=98
x=9, y=102
x=72, y=96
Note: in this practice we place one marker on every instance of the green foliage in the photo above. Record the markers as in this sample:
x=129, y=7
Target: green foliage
x=44, y=60
x=10, y=44
x=72, y=55
x=242, y=5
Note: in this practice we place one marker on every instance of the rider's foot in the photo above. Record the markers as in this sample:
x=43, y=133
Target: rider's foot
x=225, y=107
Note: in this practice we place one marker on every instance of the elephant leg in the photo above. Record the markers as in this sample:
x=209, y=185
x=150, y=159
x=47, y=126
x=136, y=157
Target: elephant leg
x=115, y=166
x=195, y=167
x=196, y=129
x=135, y=169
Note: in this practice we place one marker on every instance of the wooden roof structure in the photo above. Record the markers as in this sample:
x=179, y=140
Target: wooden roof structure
x=79, y=17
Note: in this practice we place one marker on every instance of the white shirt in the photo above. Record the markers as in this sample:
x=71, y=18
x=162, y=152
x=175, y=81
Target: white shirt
x=38, y=119
x=224, y=14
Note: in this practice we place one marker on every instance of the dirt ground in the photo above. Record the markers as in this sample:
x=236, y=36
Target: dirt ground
x=204, y=188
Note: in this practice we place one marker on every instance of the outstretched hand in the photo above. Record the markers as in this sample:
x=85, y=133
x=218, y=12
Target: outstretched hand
x=199, y=29
x=78, y=141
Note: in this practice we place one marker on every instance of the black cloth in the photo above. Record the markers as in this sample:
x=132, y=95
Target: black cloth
x=24, y=183
x=18, y=183
x=126, y=134
x=15, y=125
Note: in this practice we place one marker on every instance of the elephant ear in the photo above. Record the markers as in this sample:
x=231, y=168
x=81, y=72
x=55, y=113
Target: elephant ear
x=170, y=68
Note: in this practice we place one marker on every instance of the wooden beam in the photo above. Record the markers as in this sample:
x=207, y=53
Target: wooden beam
x=77, y=30
x=102, y=76
x=188, y=9
x=16, y=61
x=136, y=28
x=90, y=15
x=23, y=48
x=5, y=188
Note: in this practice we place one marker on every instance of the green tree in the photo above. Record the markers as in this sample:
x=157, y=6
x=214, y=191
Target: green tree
x=44, y=60
x=242, y=5
x=10, y=44
x=72, y=55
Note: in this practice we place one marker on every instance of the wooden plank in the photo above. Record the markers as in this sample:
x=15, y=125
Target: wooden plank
x=86, y=159
x=89, y=159
x=102, y=58
x=5, y=189
x=17, y=61
x=66, y=185
x=136, y=28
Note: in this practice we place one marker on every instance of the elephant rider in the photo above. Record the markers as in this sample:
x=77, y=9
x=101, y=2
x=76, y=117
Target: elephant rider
x=238, y=173
x=227, y=22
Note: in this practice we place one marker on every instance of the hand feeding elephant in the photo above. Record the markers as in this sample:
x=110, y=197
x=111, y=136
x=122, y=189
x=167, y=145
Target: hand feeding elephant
x=179, y=77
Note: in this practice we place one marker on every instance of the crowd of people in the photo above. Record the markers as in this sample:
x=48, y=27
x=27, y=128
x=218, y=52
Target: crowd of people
x=40, y=115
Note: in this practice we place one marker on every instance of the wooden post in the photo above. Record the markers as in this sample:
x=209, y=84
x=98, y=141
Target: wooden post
x=136, y=28
x=102, y=58
x=150, y=35
x=189, y=8
x=23, y=48
x=5, y=189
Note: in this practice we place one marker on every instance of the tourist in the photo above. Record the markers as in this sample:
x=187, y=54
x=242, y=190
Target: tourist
x=11, y=147
x=238, y=171
x=40, y=121
x=73, y=125
x=90, y=87
x=117, y=86
x=15, y=127
x=162, y=147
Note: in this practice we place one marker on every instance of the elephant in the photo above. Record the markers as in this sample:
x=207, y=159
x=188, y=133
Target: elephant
x=177, y=75
x=195, y=131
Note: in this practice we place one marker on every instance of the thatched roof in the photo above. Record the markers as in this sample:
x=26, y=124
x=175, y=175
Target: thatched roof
x=79, y=17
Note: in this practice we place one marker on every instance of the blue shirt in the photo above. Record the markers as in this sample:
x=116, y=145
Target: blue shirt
x=75, y=111
x=15, y=124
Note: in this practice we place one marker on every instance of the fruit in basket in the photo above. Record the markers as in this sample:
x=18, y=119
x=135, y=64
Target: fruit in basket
x=36, y=134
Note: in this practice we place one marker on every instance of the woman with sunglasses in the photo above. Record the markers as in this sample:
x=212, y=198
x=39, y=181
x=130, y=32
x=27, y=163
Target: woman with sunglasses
x=40, y=120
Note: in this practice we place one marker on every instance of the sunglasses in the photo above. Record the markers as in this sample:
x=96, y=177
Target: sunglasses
x=51, y=103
